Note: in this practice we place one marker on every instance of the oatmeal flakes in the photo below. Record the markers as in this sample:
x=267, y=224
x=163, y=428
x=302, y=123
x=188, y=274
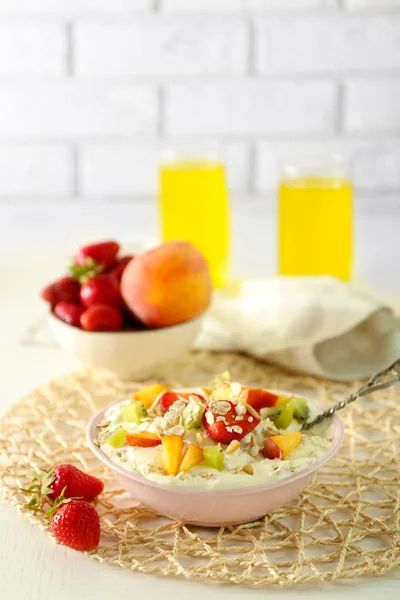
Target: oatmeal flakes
x=221, y=408
x=236, y=388
x=240, y=409
x=237, y=429
x=220, y=418
x=250, y=419
x=209, y=417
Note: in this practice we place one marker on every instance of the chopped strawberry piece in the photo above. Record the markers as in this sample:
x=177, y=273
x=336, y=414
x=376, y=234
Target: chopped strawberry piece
x=223, y=422
x=258, y=399
x=271, y=449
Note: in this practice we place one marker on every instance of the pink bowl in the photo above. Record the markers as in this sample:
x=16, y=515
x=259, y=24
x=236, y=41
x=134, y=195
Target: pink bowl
x=214, y=508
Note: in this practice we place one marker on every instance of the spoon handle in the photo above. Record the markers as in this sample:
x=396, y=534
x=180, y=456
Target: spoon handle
x=384, y=379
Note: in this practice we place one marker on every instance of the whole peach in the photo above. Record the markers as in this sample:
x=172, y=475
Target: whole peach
x=167, y=285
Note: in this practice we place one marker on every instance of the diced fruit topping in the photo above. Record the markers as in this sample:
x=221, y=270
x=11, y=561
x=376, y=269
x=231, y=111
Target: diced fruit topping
x=214, y=457
x=192, y=416
x=133, y=413
x=144, y=439
x=173, y=448
x=259, y=399
x=193, y=456
x=149, y=394
x=69, y=313
x=285, y=410
x=281, y=400
x=271, y=449
x=167, y=400
x=301, y=409
x=117, y=437
x=225, y=421
x=287, y=442
x=101, y=317
x=76, y=524
x=284, y=416
x=103, y=289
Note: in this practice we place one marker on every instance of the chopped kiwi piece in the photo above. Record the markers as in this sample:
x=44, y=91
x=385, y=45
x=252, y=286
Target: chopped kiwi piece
x=285, y=416
x=271, y=412
x=191, y=419
x=214, y=457
x=301, y=410
x=117, y=437
x=134, y=412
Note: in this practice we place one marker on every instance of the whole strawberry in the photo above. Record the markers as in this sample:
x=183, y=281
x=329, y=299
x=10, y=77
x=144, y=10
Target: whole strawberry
x=67, y=481
x=76, y=524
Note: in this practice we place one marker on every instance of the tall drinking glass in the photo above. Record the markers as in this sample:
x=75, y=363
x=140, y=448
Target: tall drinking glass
x=194, y=206
x=315, y=221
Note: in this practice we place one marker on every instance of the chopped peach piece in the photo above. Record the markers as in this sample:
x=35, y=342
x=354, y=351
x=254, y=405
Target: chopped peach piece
x=193, y=456
x=173, y=447
x=287, y=442
x=149, y=394
x=144, y=439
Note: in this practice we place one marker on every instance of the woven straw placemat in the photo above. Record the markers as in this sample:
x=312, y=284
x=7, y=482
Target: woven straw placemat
x=346, y=523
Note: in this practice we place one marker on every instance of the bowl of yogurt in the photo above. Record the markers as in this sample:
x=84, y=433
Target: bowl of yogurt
x=224, y=455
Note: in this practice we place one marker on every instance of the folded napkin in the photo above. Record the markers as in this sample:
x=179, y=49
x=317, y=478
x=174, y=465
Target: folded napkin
x=316, y=325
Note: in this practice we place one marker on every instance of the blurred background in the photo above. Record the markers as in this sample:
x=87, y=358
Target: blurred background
x=93, y=91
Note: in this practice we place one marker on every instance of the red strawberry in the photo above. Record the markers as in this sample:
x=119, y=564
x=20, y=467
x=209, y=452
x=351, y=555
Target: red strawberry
x=223, y=424
x=69, y=313
x=168, y=398
x=65, y=289
x=100, y=317
x=77, y=483
x=259, y=399
x=118, y=267
x=68, y=481
x=102, y=253
x=76, y=524
x=103, y=289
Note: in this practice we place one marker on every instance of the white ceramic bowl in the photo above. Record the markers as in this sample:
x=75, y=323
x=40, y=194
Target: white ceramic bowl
x=213, y=508
x=128, y=354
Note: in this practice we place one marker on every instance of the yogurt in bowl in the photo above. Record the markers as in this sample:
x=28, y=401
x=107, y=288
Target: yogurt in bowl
x=224, y=455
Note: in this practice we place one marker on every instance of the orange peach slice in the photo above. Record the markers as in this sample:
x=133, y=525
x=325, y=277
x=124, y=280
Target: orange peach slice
x=193, y=456
x=144, y=439
x=173, y=447
x=287, y=442
x=149, y=394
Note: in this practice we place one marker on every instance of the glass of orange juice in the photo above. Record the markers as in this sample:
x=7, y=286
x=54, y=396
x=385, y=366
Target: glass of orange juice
x=194, y=206
x=315, y=222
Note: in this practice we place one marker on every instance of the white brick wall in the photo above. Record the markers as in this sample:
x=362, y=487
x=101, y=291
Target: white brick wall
x=92, y=91
x=154, y=47
x=250, y=108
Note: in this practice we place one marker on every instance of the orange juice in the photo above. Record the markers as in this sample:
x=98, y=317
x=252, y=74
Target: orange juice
x=315, y=227
x=194, y=207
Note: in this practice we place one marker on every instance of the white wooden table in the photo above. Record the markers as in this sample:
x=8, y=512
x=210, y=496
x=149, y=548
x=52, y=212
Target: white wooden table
x=31, y=566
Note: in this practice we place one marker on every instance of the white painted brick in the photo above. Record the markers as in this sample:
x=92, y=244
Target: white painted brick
x=250, y=107
x=35, y=169
x=132, y=168
x=327, y=44
x=375, y=163
x=161, y=45
x=217, y=5
x=67, y=8
x=74, y=109
x=372, y=105
x=380, y=4
x=32, y=49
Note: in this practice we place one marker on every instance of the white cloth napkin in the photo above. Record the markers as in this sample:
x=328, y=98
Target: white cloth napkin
x=316, y=325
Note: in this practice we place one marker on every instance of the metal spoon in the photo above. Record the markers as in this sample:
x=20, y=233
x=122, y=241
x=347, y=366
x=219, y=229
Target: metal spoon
x=384, y=379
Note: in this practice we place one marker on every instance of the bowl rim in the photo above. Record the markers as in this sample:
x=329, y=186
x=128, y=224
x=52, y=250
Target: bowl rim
x=337, y=439
x=154, y=331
